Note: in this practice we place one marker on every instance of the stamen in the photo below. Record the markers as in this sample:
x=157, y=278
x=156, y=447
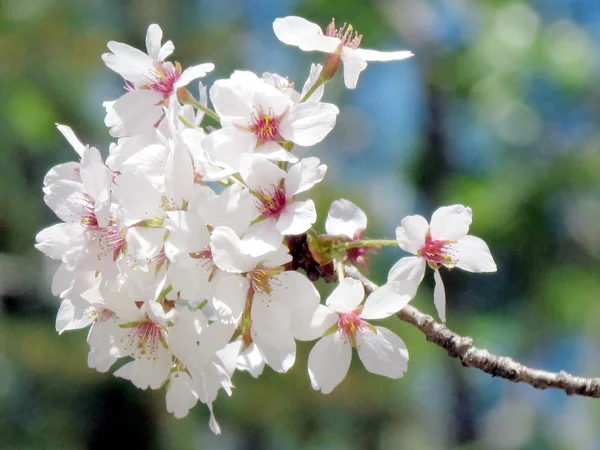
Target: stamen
x=344, y=34
x=271, y=203
x=437, y=253
x=265, y=125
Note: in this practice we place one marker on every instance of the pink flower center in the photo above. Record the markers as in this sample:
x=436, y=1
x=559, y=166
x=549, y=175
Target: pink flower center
x=344, y=34
x=437, y=253
x=144, y=340
x=349, y=323
x=271, y=203
x=164, y=78
x=265, y=126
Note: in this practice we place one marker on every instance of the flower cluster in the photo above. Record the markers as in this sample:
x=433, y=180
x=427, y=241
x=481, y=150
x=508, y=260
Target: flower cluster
x=180, y=250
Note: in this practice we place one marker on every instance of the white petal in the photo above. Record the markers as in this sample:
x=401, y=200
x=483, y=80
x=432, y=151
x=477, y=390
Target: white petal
x=328, y=362
x=227, y=253
x=354, y=64
x=136, y=112
x=382, y=353
x=251, y=361
x=294, y=290
x=304, y=175
x=194, y=72
x=388, y=299
x=262, y=237
x=70, y=317
x=411, y=234
x=131, y=63
x=271, y=333
x=312, y=322
x=187, y=231
x=260, y=173
x=315, y=71
x=230, y=298
x=439, y=296
x=450, y=222
x=297, y=217
x=69, y=135
x=376, y=55
x=297, y=31
x=347, y=296
x=308, y=123
x=345, y=218
x=180, y=396
x=409, y=268
x=473, y=255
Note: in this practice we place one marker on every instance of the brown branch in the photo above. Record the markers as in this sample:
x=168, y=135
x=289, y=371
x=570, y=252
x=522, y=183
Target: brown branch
x=498, y=366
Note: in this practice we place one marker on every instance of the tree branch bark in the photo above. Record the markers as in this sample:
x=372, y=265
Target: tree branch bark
x=498, y=366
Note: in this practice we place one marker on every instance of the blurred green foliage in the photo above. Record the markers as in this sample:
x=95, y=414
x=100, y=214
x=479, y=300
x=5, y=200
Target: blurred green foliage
x=500, y=113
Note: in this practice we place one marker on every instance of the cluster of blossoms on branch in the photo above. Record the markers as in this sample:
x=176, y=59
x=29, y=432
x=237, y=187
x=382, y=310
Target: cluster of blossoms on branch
x=190, y=251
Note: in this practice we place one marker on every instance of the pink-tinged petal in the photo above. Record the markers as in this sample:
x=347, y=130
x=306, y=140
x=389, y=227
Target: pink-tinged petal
x=376, y=55
x=388, y=299
x=69, y=135
x=312, y=322
x=308, y=123
x=227, y=252
x=192, y=73
x=271, y=333
x=473, y=255
x=345, y=219
x=136, y=112
x=409, y=268
x=308, y=36
x=230, y=298
x=328, y=362
x=382, y=353
x=411, y=234
x=439, y=296
x=304, y=175
x=450, y=222
x=354, y=64
x=296, y=218
x=347, y=296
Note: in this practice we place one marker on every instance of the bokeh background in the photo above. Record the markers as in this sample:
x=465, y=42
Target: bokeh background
x=498, y=110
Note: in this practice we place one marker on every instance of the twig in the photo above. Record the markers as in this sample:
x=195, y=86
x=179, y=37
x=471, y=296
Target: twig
x=498, y=366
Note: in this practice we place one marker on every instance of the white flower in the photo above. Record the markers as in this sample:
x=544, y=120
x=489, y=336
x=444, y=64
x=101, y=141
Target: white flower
x=275, y=201
x=257, y=117
x=151, y=82
x=308, y=36
x=344, y=324
x=444, y=242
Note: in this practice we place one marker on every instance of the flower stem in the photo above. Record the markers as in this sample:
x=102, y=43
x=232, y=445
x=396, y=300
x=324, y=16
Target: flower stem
x=340, y=270
x=368, y=243
x=209, y=112
x=312, y=90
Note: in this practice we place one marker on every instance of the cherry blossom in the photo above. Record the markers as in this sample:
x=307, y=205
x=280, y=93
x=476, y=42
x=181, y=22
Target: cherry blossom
x=444, y=242
x=343, y=43
x=343, y=326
